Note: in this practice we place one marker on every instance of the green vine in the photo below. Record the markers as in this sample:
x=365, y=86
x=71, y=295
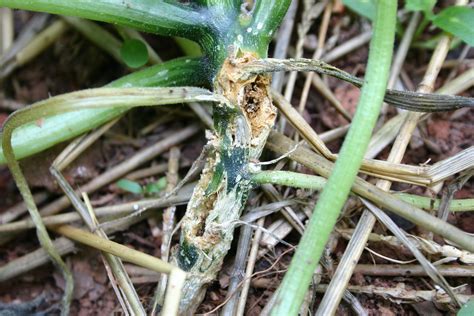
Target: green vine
x=295, y=284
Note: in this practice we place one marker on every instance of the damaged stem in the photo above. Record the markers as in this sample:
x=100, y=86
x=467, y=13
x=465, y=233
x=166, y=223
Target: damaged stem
x=408, y=100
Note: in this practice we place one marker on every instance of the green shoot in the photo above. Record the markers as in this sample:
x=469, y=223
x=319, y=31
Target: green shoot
x=134, y=53
x=129, y=186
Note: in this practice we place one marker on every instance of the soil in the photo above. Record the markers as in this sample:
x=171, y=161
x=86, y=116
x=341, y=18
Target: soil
x=72, y=63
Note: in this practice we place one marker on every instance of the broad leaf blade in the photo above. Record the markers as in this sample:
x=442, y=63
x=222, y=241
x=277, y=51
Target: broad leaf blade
x=458, y=21
x=365, y=8
x=129, y=186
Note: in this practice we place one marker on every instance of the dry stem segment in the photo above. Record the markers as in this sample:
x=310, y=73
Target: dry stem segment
x=252, y=96
x=240, y=134
x=412, y=101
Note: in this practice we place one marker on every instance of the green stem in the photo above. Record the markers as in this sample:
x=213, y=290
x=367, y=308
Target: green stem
x=305, y=181
x=152, y=16
x=424, y=23
x=456, y=205
x=33, y=138
x=290, y=179
x=296, y=281
x=244, y=32
x=98, y=35
x=267, y=16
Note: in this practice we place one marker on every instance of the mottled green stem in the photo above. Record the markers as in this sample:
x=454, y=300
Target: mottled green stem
x=298, y=278
x=242, y=125
x=239, y=136
x=266, y=17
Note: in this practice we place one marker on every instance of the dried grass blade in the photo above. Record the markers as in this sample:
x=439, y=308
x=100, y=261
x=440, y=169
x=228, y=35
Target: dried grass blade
x=431, y=270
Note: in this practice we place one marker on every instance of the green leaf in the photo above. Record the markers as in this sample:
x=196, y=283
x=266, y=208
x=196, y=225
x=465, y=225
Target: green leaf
x=365, y=8
x=156, y=187
x=134, y=53
x=30, y=139
x=130, y=186
x=425, y=6
x=152, y=16
x=467, y=309
x=458, y=21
